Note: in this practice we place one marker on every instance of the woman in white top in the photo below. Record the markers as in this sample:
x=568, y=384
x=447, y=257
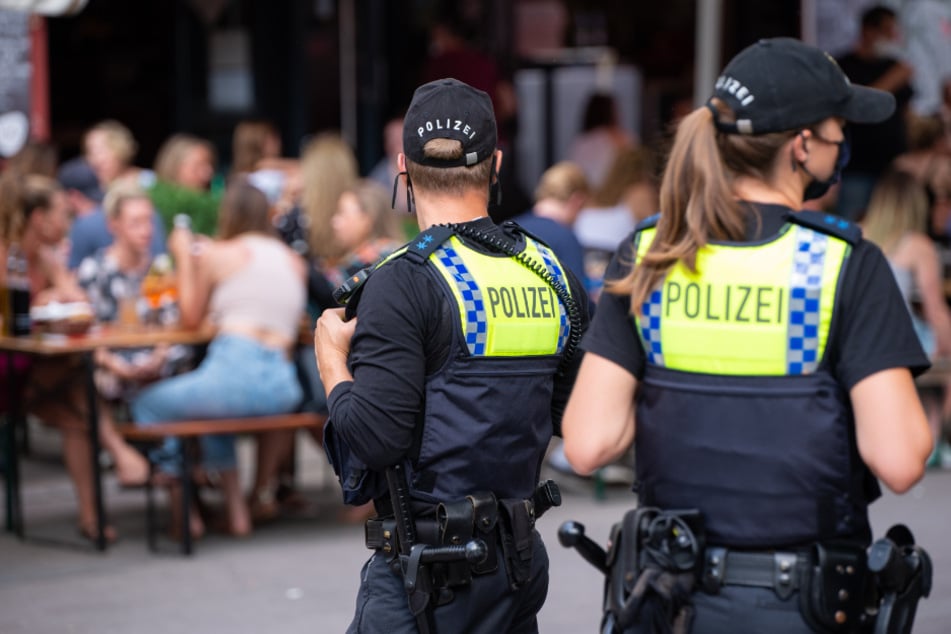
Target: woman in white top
x=252, y=287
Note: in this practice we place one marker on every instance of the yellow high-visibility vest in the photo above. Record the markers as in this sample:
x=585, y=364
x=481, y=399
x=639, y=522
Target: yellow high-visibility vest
x=760, y=309
x=505, y=309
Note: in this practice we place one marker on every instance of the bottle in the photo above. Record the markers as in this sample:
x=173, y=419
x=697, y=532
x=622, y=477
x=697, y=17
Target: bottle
x=157, y=285
x=18, y=293
x=182, y=221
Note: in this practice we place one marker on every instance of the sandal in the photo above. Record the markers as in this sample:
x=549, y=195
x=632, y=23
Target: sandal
x=292, y=500
x=263, y=506
x=165, y=479
x=208, y=478
x=90, y=534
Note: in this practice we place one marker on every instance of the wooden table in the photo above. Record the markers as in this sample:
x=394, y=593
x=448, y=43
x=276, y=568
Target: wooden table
x=50, y=346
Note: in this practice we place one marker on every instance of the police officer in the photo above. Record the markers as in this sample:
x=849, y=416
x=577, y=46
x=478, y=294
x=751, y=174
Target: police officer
x=454, y=371
x=768, y=366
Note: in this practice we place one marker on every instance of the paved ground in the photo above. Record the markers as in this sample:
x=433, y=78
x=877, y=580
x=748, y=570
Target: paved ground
x=300, y=574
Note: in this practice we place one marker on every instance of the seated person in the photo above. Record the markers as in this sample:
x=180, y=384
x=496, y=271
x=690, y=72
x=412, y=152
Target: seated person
x=184, y=174
x=627, y=196
x=561, y=193
x=34, y=220
x=252, y=286
x=112, y=279
x=366, y=229
x=108, y=148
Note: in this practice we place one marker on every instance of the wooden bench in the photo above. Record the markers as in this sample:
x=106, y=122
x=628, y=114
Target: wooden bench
x=192, y=429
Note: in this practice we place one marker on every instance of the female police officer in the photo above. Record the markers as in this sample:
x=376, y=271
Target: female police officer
x=770, y=353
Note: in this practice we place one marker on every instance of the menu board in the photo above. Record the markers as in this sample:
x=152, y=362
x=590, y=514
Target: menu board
x=15, y=71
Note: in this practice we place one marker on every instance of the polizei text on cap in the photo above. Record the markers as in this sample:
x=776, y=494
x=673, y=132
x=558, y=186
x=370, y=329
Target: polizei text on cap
x=735, y=88
x=446, y=124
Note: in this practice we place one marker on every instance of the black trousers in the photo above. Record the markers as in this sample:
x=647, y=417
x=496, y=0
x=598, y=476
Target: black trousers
x=743, y=610
x=486, y=606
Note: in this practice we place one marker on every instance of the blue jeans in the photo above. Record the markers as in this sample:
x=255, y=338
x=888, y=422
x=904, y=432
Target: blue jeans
x=238, y=377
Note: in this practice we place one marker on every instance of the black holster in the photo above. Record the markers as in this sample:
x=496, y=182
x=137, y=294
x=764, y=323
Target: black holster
x=517, y=539
x=459, y=522
x=834, y=588
x=655, y=557
x=903, y=573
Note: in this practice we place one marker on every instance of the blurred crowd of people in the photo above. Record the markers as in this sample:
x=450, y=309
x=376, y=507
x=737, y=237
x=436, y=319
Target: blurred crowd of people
x=897, y=185
x=253, y=251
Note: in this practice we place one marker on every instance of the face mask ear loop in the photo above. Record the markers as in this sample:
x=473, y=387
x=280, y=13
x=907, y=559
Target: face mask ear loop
x=410, y=197
x=396, y=185
x=495, y=186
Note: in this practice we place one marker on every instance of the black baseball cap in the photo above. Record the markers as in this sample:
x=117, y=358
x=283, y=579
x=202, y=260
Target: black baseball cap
x=782, y=84
x=449, y=109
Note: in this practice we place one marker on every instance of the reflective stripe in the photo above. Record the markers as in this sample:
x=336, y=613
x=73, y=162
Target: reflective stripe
x=505, y=309
x=551, y=263
x=474, y=321
x=805, y=296
x=650, y=327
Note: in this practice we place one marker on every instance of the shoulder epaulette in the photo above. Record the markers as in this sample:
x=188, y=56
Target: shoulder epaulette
x=647, y=223
x=423, y=245
x=514, y=227
x=828, y=223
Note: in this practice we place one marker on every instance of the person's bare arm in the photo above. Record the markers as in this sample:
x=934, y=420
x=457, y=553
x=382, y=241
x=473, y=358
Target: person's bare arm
x=63, y=286
x=891, y=428
x=194, y=272
x=598, y=425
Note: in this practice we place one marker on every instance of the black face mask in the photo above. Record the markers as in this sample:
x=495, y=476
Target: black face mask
x=817, y=188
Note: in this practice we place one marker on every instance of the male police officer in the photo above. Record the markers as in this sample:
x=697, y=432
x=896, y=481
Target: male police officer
x=454, y=371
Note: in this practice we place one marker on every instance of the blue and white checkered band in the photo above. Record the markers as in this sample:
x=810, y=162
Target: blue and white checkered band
x=650, y=327
x=476, y=321
x=802, y=353
x=552, y=265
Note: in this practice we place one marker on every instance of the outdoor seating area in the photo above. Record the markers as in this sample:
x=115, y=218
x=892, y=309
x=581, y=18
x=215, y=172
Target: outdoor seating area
x=16, y=438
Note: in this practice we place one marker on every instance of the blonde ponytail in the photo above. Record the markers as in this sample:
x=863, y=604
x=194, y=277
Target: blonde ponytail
x=697, y=202
x=696, y=205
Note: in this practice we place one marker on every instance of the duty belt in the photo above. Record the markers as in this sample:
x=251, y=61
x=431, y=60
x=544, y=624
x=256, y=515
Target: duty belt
x=380, y=534
x=779, y=571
